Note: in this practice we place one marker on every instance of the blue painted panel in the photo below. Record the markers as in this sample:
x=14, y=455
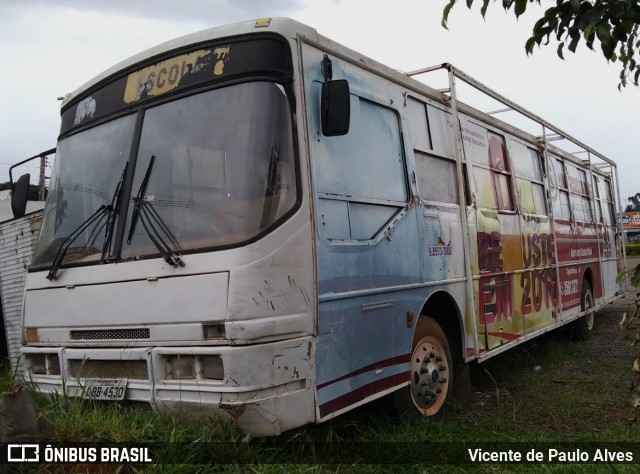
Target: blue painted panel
x=365, y=163
x=333, y=219
x=367, y=219
x=365, y=170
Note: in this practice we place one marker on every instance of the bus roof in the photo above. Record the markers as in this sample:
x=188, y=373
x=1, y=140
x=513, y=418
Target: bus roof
x=292, y=29
x=284, y=26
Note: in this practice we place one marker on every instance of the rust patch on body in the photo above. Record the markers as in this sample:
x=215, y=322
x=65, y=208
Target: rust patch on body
x=235, y=411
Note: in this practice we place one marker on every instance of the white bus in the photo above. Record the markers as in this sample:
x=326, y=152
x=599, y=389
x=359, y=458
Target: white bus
x=256, y=221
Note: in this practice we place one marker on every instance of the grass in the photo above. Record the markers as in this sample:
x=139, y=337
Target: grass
x=632, y=250
x=547, y=391
x=7, y=376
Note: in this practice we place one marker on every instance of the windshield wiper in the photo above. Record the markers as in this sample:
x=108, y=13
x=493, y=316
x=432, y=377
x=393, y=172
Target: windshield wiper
x=111, y=210
x=66, y=243
x=145, y=213
x=116, y=202
x=139, y=199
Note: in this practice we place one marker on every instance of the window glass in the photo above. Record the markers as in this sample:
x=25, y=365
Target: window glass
x=526, y=161
x=559, y=190
x=436, y=178
x=440, y=125
x=368, y=161
x=492, y=176
x=580, y=194
x=88, y=168
x=598, y=204
x=418, y=126
x=475, y=142
x=560, y=174
x=499, y=163
x=527, y=164
x=531, y=196
x=485, y=192
x=217, y=178
x=604, y=186
x=586, y=208
x=608, y=188
x=502, y=184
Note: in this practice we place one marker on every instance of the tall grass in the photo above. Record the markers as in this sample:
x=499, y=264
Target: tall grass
x=513, y=401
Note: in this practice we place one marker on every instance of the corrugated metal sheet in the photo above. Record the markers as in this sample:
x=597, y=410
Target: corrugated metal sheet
x=17, y=239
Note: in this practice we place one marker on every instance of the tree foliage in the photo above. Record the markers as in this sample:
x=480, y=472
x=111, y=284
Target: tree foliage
x=613, y=24
x=32, y=195
x=634, y=203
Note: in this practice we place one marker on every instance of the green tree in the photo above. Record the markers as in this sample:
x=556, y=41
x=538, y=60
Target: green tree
x=634, y=203
x=33, y=193
x=613, y=24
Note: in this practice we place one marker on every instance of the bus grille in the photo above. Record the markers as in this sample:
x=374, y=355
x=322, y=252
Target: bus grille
x=109, y=334
x=108, y=369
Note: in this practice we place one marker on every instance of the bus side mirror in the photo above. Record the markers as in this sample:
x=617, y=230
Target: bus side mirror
x=19, y=193
x=335, y=108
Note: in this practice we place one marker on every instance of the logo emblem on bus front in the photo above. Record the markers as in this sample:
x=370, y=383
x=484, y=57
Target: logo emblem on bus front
x=86, y=108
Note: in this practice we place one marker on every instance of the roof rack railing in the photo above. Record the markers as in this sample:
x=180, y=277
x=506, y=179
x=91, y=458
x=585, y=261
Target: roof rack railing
x=602, y=161
x=557, y=133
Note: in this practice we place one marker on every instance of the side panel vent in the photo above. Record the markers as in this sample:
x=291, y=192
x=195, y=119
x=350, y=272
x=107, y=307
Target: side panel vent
x=110, y=334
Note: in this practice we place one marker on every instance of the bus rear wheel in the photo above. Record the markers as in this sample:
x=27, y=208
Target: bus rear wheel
x=583, y=327
x=431, y=375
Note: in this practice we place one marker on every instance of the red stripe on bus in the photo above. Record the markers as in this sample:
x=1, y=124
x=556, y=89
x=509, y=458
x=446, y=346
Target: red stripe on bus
x=361, y=393
x=402, y=359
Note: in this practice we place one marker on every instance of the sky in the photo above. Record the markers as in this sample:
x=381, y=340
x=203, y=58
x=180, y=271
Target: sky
x=51, y=47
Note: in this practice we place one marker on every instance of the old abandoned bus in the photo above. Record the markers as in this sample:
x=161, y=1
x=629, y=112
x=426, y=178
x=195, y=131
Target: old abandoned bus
x=258, y=222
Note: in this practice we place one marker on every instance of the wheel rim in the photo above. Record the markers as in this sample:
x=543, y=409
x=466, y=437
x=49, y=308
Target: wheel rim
x=429, y=376
x=587, y=304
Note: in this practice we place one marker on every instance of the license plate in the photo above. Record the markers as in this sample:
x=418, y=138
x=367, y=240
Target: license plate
x=105, y=390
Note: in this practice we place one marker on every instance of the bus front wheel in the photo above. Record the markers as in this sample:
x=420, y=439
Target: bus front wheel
x=431, y=382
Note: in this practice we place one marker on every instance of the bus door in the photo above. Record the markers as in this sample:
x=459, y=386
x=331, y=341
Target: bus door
x=364, y=226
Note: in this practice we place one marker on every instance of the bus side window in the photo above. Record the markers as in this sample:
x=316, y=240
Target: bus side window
x=604, y=189
x=491, y=170
x=368, y=162
x=361, y=177
x=418, y=125
x=597, y=199
x=529, y=183
x=559, y=190
x=437, y=179
x=579, y=188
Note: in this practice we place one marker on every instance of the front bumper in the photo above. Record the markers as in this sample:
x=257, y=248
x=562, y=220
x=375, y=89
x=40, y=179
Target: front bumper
x=266, y=388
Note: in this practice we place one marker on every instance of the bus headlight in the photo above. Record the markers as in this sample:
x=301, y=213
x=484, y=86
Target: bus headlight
x=181, y=367
x=42, y=364
x=37, y=364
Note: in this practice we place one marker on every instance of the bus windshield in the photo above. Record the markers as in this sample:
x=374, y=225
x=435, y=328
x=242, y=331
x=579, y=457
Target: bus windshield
x=223, y=173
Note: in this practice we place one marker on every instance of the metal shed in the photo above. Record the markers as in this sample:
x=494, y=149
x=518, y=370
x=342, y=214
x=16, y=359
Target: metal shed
x=17, y=240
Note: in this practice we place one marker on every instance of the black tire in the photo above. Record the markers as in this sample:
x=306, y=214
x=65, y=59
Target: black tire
x=583, y=327
x=431, y=384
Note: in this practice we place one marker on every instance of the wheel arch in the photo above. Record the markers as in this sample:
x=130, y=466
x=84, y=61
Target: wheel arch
x=587, y=276
x=442, y=307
